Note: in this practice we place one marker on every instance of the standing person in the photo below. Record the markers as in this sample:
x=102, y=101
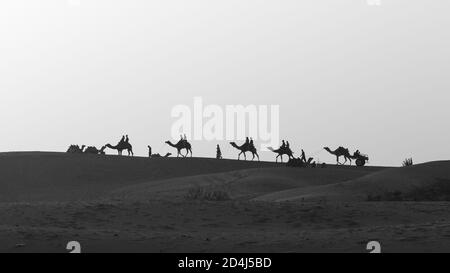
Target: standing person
x=303, y=156
x=149, y=151
x=218, y=152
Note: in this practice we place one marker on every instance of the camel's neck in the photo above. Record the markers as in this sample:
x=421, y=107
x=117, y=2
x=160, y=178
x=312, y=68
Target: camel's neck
x=110, y=146
x=235, y=146
x=171, y=144
x=330, y=151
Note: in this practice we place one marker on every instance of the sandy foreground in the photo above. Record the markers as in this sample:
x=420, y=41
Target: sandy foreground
x=120, y=204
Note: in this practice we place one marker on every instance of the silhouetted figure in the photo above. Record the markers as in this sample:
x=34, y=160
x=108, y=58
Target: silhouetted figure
x=303, y=157
x=252, y=144
x=94, y=150
x=283, y=144
x=218, y=152
x=121, y=146
x=182, y=144
x=287, y=145
x=247, y=142
x=245, y=148
x=127, y=140
x=282, y=151
x=149, y=151
x=341, y=151
x=357, y=153
x=75, y=149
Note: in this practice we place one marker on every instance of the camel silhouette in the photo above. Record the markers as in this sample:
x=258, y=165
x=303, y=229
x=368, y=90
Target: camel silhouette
x=246, y=147
x=181, y=145
x=121, y=146
x=159, y=156
x=75, y=149
x=282, y=151
x=341, y=151
x=94, y=150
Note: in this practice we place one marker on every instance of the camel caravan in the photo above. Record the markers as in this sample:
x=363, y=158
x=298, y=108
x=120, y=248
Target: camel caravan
x=247, y=146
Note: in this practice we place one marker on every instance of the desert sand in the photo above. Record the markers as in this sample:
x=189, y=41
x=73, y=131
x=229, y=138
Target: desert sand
x=124, y=204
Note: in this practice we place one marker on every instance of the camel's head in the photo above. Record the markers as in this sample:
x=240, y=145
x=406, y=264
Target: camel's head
x=167, y=142
x=149, y=146
x=326, y=148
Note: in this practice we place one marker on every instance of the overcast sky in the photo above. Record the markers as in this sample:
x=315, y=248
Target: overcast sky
x=376, y=78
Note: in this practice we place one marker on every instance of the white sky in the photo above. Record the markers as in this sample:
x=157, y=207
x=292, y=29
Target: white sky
x=344, y=73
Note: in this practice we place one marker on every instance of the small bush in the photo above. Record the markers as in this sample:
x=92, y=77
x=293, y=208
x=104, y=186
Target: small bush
x=207, y=194
x=407, y=162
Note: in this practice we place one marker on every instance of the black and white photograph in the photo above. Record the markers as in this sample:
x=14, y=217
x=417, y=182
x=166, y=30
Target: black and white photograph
x=241, y=127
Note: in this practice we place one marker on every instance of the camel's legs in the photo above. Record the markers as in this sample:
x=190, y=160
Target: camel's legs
x=239, y=155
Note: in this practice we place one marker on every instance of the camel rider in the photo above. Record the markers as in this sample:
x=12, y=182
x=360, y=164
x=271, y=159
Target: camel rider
x=122, y=140
x=283, y=144
x=127, y=140
x=247, y=142
x=185, y=138
x=252, y=143
x=287, y=145
x=357, y=153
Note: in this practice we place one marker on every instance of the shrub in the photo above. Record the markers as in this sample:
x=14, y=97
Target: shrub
x=208, y=194
x=407, y=162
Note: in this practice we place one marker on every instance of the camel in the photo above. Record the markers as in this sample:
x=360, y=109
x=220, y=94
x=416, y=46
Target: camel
x=159, y=156
x=75, y=149
x=341, y=151
x=94, y=150
x=122, y=146
x=246, y=147
x=282, y=151
x=182, y=144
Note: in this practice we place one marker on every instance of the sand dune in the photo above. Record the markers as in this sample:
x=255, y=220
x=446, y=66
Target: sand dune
x=242, y=184
x=42, y=176
x=122, y=204
x=424, y=182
